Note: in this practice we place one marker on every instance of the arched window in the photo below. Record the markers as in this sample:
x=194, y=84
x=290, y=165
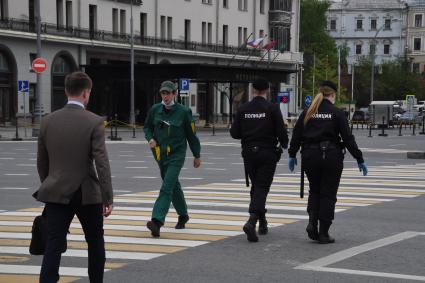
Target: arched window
x=62, y=66
x=6, y=89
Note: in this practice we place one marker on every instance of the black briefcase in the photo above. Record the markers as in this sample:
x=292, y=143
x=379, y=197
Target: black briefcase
x=39, y=235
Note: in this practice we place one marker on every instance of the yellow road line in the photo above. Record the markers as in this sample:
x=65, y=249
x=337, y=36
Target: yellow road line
x=15, y=278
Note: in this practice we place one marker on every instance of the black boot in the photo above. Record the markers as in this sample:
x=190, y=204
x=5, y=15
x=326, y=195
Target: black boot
x=249, y=228
x=311, y=229
x=324, y=237
x=182, y=221
x=154, y=226
x=262, y=227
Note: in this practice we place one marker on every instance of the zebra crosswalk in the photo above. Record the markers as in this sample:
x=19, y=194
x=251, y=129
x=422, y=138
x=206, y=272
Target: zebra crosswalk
x=217, y=211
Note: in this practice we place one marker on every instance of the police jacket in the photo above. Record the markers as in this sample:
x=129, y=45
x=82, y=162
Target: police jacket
x=259, y=123
x=172, y=130
x=328, y=124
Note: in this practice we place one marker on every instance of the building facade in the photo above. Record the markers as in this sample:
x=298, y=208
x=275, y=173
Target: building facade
x=416, y=35
x=80, y=33
x=369, y=27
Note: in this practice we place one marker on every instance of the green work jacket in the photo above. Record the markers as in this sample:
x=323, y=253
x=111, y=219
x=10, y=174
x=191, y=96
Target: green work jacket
x=171, y=130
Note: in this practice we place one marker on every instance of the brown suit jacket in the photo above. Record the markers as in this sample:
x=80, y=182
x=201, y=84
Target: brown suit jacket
x=70, y=141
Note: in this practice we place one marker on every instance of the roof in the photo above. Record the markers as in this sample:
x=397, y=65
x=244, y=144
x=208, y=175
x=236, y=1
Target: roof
x=383, y=102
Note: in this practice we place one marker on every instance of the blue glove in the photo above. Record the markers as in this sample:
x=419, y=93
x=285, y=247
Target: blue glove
x=363, y=167
x=291, y=163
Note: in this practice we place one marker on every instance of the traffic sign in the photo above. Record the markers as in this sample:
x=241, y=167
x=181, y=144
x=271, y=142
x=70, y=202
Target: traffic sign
x=307, y=100
x=39, y=65
x=410, y=101
x=184, y=85
x=283, y=97
x=23, y=86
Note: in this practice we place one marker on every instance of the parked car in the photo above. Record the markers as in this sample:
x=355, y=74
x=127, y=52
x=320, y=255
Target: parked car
x=360, y=116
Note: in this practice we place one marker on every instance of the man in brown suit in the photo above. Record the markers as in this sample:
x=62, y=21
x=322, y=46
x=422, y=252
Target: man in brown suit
x=70, y=140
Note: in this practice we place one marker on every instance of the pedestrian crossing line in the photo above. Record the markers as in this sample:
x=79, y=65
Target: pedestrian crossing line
x=344, y=181
x=18, y=278
x=108, y=246
x=412, y=176
x=270, y=199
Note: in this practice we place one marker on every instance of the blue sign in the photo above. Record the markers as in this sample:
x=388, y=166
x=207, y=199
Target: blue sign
x=23, y=86
x=184, y=84
x=307, y=100
x=283, y=97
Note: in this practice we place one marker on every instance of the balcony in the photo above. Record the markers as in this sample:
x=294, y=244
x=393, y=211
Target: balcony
x=106, y=36
x=280, y=18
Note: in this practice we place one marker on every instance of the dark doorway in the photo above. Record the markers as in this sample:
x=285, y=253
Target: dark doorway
x=62, y=66
x=7, y=97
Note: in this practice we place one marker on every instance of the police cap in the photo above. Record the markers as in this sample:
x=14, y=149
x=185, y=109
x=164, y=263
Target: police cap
x=260, y=84
x=329, y=84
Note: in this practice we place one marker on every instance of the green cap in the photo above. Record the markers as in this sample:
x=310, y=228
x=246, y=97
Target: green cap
x=167, y=86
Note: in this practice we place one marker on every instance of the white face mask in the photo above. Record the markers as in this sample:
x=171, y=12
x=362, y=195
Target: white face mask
x=169, y=104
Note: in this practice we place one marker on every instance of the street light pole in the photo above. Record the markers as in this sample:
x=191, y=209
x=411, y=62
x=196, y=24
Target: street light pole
x=132, y=116
x=39, y=100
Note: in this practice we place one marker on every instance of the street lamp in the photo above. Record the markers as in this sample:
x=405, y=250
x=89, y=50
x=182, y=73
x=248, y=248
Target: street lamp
x=372, y=75
x=132, y=114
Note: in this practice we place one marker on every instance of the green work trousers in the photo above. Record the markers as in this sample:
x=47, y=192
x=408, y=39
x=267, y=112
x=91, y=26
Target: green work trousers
x=171, y=192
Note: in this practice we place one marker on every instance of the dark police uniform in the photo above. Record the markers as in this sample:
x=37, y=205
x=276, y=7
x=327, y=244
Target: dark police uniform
x=322, y=157
x=259, y=125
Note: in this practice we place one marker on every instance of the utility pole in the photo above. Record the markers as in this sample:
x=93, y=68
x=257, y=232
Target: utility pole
x=339, y=73
x=39, y=100
x=132, y=116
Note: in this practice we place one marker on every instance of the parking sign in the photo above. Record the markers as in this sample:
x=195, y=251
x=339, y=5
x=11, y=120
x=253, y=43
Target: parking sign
x=184, y=85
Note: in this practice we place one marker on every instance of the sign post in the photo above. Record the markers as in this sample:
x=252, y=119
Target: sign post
x=23, y=87
x=39, y=65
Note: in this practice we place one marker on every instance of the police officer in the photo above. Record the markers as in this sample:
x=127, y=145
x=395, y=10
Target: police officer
x=318, y=132
x=259, y=125
x=168, y=127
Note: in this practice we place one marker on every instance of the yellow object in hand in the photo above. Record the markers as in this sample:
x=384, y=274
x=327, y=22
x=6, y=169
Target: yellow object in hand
x=168, y=150
x=158, y=153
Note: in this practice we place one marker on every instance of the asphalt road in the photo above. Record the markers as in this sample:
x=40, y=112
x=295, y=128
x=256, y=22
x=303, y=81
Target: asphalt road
x=379, y=226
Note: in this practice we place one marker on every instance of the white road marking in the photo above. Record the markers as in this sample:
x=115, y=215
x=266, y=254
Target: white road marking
x=7, y=158
x=35, y=270
x=215, y=169
x=16, y=174
x=113, y=239
x=122, y=191
x=144, y=177
x=26, y=165
x=11, y=188
x=135, y=167
x=135, y=161
x=191, y=178
x=126, y=155
x=84, y=253
x=320, y=264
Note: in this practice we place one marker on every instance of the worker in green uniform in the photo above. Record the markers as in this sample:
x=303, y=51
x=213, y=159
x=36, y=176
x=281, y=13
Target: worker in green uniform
x=168, y=128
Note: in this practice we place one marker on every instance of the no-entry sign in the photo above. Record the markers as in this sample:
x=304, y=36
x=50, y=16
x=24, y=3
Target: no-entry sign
x=39, y=65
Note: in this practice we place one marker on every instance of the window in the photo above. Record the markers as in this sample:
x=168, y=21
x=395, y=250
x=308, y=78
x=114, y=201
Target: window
x=204, y=32
x=240, y=36
x=68, y=14
x=122, y=22
x=245, y=34
x=187, y=30
x=373, y=24
x=31, y=14
x=114, y=20
x=417, y=44
x=358, y=49
x=387, y=24
x=169, y=28
x=225, y=35
x=386, y=49
x=3, y=9
x=92, y=19
x=359, y=25
x=209, y=33
x=207, y=2
x=333, y=24
x=372, y=49
x=261, y=6
x=143, y=24
x=59, y=13
x=243, y=5
x=226, y=4
x=162, y=27
x=418, y=20
x=284, y=5
x=416, y=67
x=261, y=33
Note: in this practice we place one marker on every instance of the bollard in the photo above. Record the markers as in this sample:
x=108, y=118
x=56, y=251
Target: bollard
x=352, y=123
x=134, y=131
x=414, y=127
x=370, y=130
x=110, y=127
x=399, y=129
x=115, y=136
x=383, y=134
x=16, y=138
x=213, y=129
x=357, y=125
x=423, y=126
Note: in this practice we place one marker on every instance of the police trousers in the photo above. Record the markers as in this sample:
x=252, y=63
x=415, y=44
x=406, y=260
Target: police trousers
x=171, y=192
x=323, y=171
x=260, y=164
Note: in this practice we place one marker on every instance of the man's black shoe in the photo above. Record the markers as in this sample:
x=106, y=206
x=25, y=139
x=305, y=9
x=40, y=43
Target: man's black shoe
x=312, y=232
x=154, y=226
x=249, y=228
x=262, y=226
x=324, y=237
x=182, y=221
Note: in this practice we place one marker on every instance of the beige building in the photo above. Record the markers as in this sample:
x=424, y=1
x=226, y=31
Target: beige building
x=416, y=35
